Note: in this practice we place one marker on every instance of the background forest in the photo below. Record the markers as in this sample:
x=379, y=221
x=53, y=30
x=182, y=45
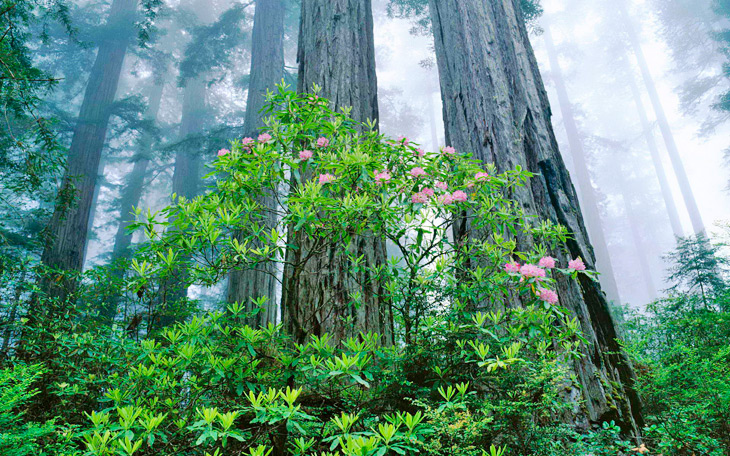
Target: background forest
x=364, y=227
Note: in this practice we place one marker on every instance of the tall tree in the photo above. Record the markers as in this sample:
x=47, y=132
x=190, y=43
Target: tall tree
x=684, y=185
x=267, y=69
x=132, y=194
x=336, y=52
x=496, y=107
x=591, y=209
x=67, y=231
x=656, y=158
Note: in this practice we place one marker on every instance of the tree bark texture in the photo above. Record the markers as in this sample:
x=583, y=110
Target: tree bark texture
x=267, y=70
x=591, y=209
x=68, y=229
x=496, y=107
x=336, y=51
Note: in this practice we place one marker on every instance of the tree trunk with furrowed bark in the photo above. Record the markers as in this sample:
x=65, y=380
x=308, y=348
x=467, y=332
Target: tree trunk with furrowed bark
x=496, y=107
x=68, y=230
x=267, y=70
x=336, y=52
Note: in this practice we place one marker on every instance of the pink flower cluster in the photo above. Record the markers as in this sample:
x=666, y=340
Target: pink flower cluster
x=577, y=265
x=532, y=271
x=419, y=198
x=223, y=152
x=247, y=142
x=305, y=155
x=403, y=140
x=459, y=196
x=323, y=142
x=382, y=177
x=512, y=267
x=481, y=177
x=448, y=150
x=420, y=152
x=264, y=137
x=547, y=262
x=548, y=296
x=417, y=172
x=326, y=178
x=441, y=185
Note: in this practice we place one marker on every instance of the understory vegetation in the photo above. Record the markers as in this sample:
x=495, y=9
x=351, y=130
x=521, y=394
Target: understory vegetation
x=463, y=370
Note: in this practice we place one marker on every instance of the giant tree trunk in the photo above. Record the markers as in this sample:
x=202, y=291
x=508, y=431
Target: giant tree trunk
x=591, y=210
x=684, y=185
x=131, y=196
x=68, y=230
x=336, y=51
x=267, y=70
x=496, y=107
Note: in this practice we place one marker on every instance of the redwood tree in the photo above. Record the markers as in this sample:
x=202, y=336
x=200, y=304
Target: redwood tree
x=496, y=107
x=320, y=289
x=68, y=229
x=267, y=69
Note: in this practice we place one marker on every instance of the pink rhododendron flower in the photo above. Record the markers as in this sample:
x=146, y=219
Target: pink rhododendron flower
x=442, y=185
x=223, y=152
x=459, y=196
x=446, y=199
x=403, y=140
x=547, y=262
x=548, y=296
x=305, y=155
x=382, y=176
x=470, y=185
x=323, y=142
x=421, y=152
x=417, y=172
x=512, y=266
x=448, y=150
x=481, y=177
x=245, y=142
x=264, y=137
x=530, y=270
x=577, y=264
x=427, y=191
x=326, y=178
x=419, y=198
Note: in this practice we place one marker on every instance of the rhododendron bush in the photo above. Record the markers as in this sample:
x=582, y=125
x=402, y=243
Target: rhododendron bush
x=480, y=356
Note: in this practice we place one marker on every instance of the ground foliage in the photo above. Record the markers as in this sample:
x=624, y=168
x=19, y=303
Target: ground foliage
x=469, y=373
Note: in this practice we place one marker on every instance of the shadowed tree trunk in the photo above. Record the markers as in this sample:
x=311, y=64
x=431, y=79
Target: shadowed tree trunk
x=496, y=107
x=684, y=185
x=267, y=70
x=68, y=230
x=131, y=196
x=336, y=51
x=591, y=210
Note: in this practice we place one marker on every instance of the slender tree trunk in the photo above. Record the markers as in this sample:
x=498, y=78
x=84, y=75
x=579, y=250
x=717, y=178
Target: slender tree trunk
x=336, y=51
x=495, y=106
x=130, y=198
x=656, y=158
x=591, y=210
x=684, y=185
x=68, y=230
x=639, y=245
x=185, y=184
x=267, y=70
